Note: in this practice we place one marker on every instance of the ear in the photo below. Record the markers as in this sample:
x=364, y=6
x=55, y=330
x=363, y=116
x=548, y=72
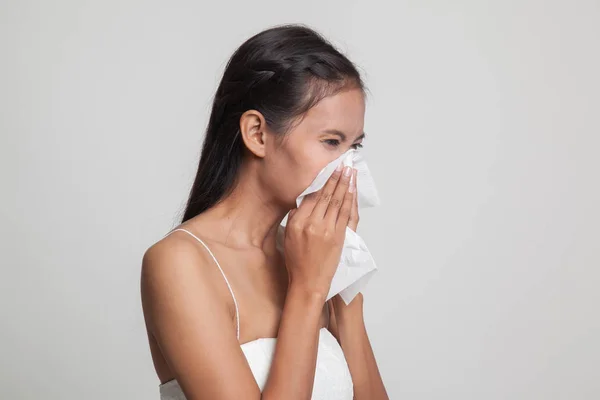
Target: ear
x=253, y=129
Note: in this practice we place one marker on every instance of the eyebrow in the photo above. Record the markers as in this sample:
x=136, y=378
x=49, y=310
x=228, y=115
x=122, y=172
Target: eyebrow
x=342, y=135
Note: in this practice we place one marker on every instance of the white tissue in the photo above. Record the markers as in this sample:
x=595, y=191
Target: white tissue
x=356, y=265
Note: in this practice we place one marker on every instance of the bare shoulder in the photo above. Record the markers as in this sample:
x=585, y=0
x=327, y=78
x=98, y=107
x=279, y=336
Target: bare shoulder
x=176, y=265
x=173, y=256
x=173, y=250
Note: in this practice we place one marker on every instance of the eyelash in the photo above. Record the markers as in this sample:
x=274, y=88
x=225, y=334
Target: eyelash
x=335, y=142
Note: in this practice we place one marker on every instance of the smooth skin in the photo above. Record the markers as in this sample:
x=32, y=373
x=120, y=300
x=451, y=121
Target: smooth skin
x=189, y=312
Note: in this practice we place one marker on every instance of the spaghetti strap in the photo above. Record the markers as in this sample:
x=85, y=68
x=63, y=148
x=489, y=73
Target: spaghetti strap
x=237, y=315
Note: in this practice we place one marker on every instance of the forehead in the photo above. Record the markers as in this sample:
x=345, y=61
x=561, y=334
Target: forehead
x=344, y=111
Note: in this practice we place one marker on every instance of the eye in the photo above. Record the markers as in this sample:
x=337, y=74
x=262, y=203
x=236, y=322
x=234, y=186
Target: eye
x=332, y=142
x=336, y=143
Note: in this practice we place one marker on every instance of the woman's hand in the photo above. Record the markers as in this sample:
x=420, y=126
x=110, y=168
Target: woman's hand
x=315, y=233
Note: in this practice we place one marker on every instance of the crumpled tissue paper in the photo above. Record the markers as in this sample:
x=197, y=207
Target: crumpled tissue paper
x=356, y=265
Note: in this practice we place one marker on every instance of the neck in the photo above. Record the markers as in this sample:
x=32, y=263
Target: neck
x=247, y=217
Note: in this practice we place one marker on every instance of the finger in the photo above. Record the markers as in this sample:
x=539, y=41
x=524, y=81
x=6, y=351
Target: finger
x=305, y=208
x=326, y=193
x=353, y=220
x=339, y=197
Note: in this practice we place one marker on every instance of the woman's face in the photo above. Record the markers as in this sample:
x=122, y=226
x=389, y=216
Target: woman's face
x=329, y=129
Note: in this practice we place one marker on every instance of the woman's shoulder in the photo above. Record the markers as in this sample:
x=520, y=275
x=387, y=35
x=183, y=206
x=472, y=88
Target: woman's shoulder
x=176, y=271
x=176, y=259
x=175, y=245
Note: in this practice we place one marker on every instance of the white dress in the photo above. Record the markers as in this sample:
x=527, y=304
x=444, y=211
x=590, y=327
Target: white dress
x=332, y=376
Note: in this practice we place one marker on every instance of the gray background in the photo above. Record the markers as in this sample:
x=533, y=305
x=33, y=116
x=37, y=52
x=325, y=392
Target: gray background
x=484, y=137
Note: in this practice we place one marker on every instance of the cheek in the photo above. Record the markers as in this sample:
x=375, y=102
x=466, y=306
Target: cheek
x=295, y=170
x=307, y=165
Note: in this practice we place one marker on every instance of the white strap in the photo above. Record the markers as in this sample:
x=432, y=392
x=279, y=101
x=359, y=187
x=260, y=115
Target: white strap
x=237, y=315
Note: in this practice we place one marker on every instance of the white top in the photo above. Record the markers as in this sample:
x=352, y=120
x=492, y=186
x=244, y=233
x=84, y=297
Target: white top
x=332, y=376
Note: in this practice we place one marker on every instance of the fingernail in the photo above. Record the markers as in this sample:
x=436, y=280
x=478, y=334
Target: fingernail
x=339, y=167
x=347, y=171
x=352, y=186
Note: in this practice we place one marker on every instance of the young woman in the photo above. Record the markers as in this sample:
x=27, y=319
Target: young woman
x=228, y=315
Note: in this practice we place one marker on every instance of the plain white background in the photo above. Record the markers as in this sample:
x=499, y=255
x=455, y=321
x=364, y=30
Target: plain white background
x=483, y=123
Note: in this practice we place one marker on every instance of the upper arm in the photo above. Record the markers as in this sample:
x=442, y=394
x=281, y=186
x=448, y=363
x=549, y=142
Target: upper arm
x=191, y=325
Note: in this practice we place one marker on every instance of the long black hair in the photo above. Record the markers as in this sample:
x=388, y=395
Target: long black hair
x=281, y=72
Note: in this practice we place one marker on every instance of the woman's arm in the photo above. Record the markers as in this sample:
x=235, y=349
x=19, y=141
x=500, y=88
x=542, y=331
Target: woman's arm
x=194, y=329
x=292, y=372
x=347, y=324
x=192, y=324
